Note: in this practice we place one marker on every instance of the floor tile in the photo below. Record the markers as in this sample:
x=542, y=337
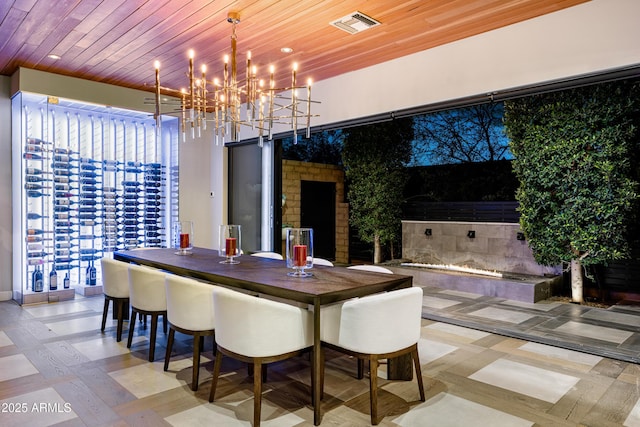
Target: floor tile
x=472, y=334
x=529, y=380
x=15, y=366
x=432, y=350
x=5, y=340
x=75, y=326
x=561, y=353
x=438, y=303
x=47, y=310
x=594, y=332
x=105, y=346
x=613, y=317
x=502, y=315
x=43, y=408
x=533, y=306
x=145, y=380
x=633, y=420
x=446, y=410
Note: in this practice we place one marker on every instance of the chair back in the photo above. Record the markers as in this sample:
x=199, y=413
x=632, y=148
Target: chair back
x=322, y=261
x=374, y=268
x=189, y=303
x=271, y=255
x=146, y=288
x=115, y=278
x=377, y=324
x=258, y=327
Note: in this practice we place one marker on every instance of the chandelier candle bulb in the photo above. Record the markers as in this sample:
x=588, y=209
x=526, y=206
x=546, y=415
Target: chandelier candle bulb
x=203, y=68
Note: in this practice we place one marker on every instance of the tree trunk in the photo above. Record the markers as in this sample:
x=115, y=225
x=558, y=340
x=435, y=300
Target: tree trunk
x=377, y=250
x=576, y=281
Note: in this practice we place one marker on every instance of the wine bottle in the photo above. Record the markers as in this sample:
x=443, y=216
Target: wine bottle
x=66, y=151
x=39, y=254
x=35, y=186
x=63, y=223
x=63, y=165
x=35, y=261
x=65, y=253
x=88, y=174
x=36, y=194
x=36, y=232
x=37, y=141
x=34, y=215
x=67, y=281
x=110, y=162
x=63, y=172
x=91, y=274
x=62, y=158
x=91, y=181
x=38, y=285
x=35, y=171
x=62, y=179
x=53, y=279
x=36, y=178
x=35, y=238
x=88, y=160
x=63, y=245
x=31, y=156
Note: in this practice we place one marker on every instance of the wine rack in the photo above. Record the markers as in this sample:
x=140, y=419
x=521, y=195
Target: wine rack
x=92, y=180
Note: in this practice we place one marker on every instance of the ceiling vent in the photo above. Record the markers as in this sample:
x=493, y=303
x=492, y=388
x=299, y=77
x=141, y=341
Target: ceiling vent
x=355, y=22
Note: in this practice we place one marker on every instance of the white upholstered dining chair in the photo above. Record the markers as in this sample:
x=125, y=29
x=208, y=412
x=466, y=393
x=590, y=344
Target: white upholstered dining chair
x=322, y=261
x=271, y=255
x=257, y=331
x=189, y=311
x=375, y=327
x=115, y=286
x=147, y=296
x=374, y=268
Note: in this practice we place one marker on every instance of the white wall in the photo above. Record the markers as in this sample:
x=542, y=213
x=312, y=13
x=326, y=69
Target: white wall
x=6, y=235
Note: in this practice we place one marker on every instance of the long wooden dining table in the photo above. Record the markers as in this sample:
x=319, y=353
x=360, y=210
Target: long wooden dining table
x=262, y=275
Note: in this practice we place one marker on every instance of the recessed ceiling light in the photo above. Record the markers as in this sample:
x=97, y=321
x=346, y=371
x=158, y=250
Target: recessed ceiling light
x=286, y=50
x=53, y=56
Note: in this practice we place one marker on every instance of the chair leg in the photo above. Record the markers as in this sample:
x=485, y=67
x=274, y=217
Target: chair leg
x=197, y=345
x=104, y=313
x=257, y=393
x=132, y=326
x=152, y=338
x=164, y=323
x=120, y=316
x=360, y=369
x=167, y=354
x=373, y=389
x=216, y=374
x=416, y=363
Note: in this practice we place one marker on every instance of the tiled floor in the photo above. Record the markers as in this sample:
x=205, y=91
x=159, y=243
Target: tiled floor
x=485, y=361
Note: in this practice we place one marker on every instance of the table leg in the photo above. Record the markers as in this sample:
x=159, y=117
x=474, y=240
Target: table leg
x=317, y=416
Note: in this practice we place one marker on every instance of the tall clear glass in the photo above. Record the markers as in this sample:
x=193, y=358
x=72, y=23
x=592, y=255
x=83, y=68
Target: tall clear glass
x=230, y=243
x=299, y=251
x=183, y=237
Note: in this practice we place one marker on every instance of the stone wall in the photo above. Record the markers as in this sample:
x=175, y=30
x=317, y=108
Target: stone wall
x=293, y=172
x=494, y=247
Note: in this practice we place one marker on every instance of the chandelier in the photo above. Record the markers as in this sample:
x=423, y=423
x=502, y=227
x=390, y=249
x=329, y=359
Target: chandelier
x=228, y=104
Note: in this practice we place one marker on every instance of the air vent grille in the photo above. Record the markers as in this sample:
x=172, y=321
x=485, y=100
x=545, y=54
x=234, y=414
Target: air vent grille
x=355, y=22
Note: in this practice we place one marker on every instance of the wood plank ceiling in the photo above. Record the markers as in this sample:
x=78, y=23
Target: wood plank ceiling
x=117, y=41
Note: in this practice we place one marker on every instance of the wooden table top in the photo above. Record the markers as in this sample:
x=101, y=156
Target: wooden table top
x=326, y=285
